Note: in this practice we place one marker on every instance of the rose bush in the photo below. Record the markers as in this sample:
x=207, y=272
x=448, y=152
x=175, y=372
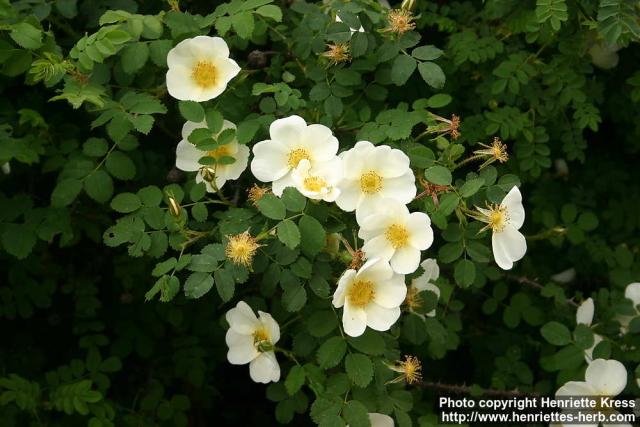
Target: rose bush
x=369, y=204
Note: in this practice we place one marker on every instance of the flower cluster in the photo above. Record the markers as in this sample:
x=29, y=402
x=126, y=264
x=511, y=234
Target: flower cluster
x=374, y=181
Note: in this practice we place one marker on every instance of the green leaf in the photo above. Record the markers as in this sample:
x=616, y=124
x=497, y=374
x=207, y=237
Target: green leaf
x=120, y=166
x=134, y=56
x=126, y=202
x=295, y=379
x=427, y=53
x=471, y=187
x=270, y=11
x=371, y=342
x=26, y=35
x=359, y=369
x=583, y=336
x=294, y=296
x=439, y=100
x=18, y=239
x=95, y=147
x=191, y=111
x=243, y=23
x=554, y=11
x=432, y=74
x=99, y=186
x=197, y=285
x=356, y=414
x=65, y=192
x=403, y=67
x=465, y=273
x=312, y=234
x=293, y=200
x=331, y=352
x=272, y=207
x=224, y=284
x=556, y=333
x=289, y=234
x=438, y=175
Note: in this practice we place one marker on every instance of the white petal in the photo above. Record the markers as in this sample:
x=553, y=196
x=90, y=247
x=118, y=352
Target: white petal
x=343, y=283
x=264, y=368
x=584, y=314
x=402, y=188
x=270, y=161
x=509, y=245
x=390, y=294
x=380, y=318
x=378, y=247
x=632, y=292
x=390, y=163
x=209, y=47
x=607, y=377
x=279, y=185
x=242, y=319
x=241, y=348
x=181, y=55
x=350, y=195
x=380, y=420
x=576, y=388
x=405, y=260
x=420, y=232
x=288, y=130
x=354, y=320
x=180, y=86
x=271, y=325
x=513, y=202
x=431, y=269
x=187, y=156
x=320, y=141
x=375, y=270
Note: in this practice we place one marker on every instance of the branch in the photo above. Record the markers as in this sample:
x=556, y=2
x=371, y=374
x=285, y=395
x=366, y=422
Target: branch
x=535, y=285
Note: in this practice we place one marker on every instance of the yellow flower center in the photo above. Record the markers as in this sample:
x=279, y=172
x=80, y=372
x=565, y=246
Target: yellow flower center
x=222, y=151
x=204, y=73
x=361, y=293
x=297, y=155
x=315, y=184
x=241, y=248
x=497, y=218
x=261, y=334
x=370, y=182
x=397, y=235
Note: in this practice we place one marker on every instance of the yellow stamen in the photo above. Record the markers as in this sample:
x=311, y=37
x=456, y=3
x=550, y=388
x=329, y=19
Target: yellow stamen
x=296, y=156
x=204, y=74
x=370, y=182
x=497, y=151
x=495, y=216
x=241, y=248
x=399, y=21
x=397, y=235
x=337, y=53
x=222, y=151
x=410, y=370
x=413, y=300
x=256, y=193
x=315, y=184
x=361, y=293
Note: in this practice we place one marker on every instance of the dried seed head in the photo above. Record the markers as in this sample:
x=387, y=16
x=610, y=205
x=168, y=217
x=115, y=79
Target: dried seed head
x=410, y=370
x=256, y=193
x=399, y=21
x=337, y=53
x=497, y=151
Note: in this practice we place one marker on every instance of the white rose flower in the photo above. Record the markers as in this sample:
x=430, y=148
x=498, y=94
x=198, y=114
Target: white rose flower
x=371, y=297
x=188, y=155
x=606, y=378
x=292, y=141
x=584, y=316
x=505, y=219
x=251, y=340
x=373, y=173
x=391, y=233
x=380, y=420
x=199, y=69
x=320, y=182
x=424, y=282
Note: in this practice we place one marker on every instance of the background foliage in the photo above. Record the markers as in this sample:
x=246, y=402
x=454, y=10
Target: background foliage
x=108, y=318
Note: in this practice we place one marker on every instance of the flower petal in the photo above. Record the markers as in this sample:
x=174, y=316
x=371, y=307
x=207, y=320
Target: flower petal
x=272, y=326
x=513, y=202
x=354, y=320
x=380, y=318
x=402, y=188
x=269, y=160
x=350, y=196
x=420, y=232
x=242, y=319
x=180, y=86
x=509, y=245
x=607, y=377
x=265, y=368
x=375, y=269
x=390, y=163
x=288, y=131
x=392, y=293
x=279, y=185
x=376, y=419
x=378, y=247
x=187, y=156
x=584, y=314
x=576, y=388
x=320, y=141
x=343, y=284
x=405, y=260
x=632, y=292
x=241, y=348
x=208, y=47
